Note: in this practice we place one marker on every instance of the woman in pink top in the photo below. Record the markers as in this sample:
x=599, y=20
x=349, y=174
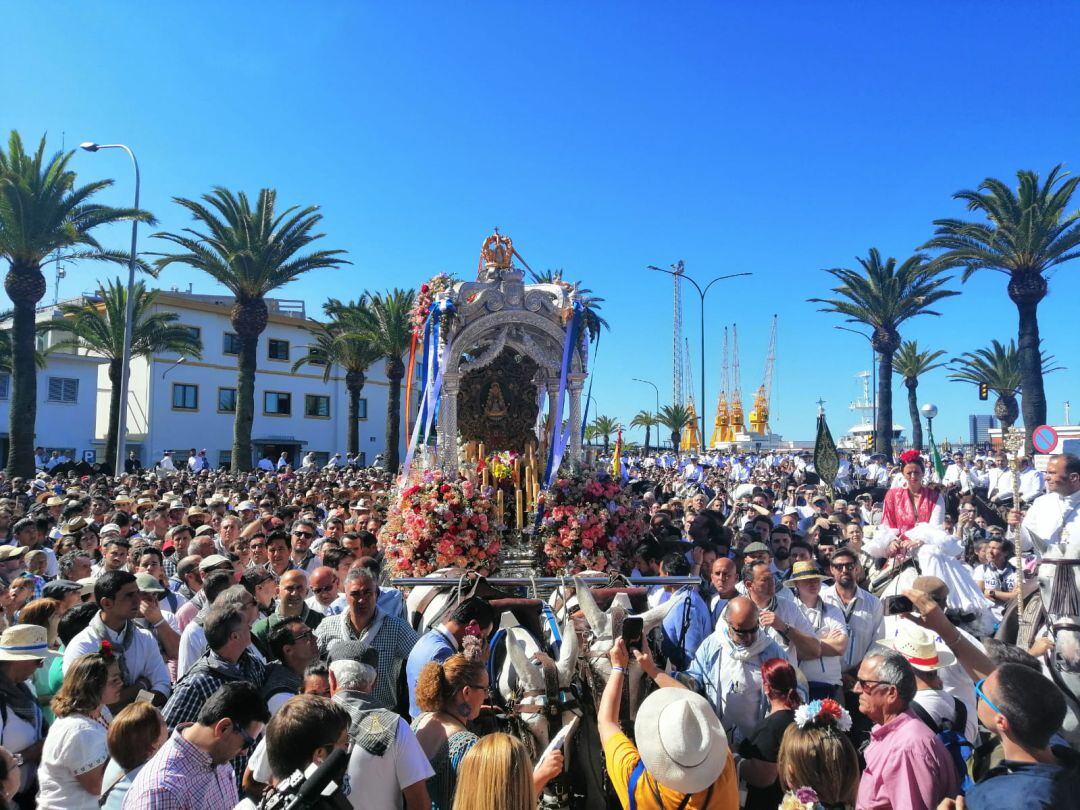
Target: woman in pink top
x=914, y=503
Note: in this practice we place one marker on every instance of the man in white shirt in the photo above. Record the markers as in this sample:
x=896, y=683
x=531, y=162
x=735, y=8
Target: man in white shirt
x=166, y=462
x=1032, y=483
x=957, y=476
x=1054, y=517
x=823, y=673
x=860, y=609
x=780, y=618
x=266, y=464
x=141, y=663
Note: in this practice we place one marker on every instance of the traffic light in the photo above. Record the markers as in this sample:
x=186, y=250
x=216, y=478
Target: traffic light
x=984, y=391
x=870, y=442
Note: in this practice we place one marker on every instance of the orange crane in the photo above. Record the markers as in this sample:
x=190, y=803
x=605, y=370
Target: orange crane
x=722, y=425
x=737, y=425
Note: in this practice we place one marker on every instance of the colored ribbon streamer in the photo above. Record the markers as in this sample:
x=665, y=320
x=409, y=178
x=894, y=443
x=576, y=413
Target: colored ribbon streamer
x=409, y=381
x=592, y=379
x=433, y=371
x=562, y=436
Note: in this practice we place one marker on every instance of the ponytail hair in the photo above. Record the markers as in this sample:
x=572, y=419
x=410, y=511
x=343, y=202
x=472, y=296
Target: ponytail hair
x=439, y=682
x=779, y=681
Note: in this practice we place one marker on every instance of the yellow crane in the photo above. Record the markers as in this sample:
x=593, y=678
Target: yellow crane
x=722, y=434
x=737, y=425
x=759, y=413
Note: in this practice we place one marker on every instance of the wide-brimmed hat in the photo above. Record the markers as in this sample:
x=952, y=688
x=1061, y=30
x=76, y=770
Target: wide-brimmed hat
x=680, y=740
x=919, y=648
x=11, y=552
x=25, y=642
x=803, y=571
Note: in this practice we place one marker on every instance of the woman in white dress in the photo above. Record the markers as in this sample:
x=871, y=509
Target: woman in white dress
x=76, y=751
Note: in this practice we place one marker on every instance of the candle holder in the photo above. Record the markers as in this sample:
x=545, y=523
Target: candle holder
x=518, y=556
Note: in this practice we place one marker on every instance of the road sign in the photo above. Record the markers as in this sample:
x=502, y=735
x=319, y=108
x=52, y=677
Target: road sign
x=1044, y=439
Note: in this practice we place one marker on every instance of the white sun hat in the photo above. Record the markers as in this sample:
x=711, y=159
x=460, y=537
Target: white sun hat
x=919, y=648
x=681, y=740
x=25, y=642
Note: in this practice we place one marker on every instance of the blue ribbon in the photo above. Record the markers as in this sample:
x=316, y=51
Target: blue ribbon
x=562, y=436
x=433, y=370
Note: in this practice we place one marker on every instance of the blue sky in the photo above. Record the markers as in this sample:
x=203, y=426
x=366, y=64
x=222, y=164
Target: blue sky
x=775, y=138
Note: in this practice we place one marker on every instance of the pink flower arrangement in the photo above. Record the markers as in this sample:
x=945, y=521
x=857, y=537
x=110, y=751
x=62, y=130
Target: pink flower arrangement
x=589, y=523
x=439, y=283
x=438, y=522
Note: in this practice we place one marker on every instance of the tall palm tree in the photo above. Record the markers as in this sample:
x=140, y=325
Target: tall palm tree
x=385, y=323
x=604, y=427
x=883, y=296
x=42, y=211
x=251, y=252
x=340, y=342
x=590, y=303
x=910, y=364
x=998, y=368
x=645, y=419
x=674, y=418
x=1029, y=231
x=98, y=325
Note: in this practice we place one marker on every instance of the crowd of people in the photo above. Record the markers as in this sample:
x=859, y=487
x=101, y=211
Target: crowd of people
x=190, y=638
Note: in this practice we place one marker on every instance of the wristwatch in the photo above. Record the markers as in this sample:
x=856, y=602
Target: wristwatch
x=18, y=757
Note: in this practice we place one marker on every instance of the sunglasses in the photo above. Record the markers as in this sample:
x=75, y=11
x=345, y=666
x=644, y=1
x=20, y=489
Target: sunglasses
x=982, y=695
x=736, y=631
x=323, y=589
x=844, y=566
x=862, y=682
x=249, y=741
x=308, y=535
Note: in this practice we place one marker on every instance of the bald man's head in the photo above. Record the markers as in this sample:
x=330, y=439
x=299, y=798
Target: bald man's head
x=741, y=617
x=723, y=577
x=324, y=585
x=292, y=589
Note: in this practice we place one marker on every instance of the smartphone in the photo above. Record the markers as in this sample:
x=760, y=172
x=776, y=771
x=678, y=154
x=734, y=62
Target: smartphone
x=894, y=605
x=632, y=630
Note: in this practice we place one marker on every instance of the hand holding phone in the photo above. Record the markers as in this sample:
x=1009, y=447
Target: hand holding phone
x=632, y=632
x=895, y=605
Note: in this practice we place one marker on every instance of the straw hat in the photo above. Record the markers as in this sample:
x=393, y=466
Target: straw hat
x=919, y=648
x=11, y=552
x=803, y=571
x=25, y=642
x=680, y=739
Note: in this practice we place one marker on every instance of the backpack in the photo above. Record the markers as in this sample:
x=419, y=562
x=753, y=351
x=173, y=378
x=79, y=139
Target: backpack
x=952, y=737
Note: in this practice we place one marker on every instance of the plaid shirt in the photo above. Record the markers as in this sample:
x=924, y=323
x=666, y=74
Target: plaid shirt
x=182, y=777
x=196, y=687
x=392, y=638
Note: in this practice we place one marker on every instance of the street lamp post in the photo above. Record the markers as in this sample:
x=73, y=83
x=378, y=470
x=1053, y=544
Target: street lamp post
x=701, y=294
x=129, y=314
x=657, y=390
x=873, y=375
x=929, y=410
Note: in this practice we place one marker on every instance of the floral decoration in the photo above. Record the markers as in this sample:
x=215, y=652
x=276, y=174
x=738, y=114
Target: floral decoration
x=823, y=714
x=589, y=523
x=440, y=522
x=439, y=283
x=804, y=798
x=501, y=465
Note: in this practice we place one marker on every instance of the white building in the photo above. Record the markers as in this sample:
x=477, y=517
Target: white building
x=67, y=392
x=178, y=404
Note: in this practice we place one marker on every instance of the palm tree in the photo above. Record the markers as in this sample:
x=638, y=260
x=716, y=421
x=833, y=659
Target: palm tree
x=674, y=418
x=97, y=324
x=340, y=342
x=1029, y=231
x=251, y=252
x=604, y=427
x=590, y=434
x=883, y=296
x=998, y=368
x=645, y=419
x=911, y=364
x=42, y=211
x=590, y=303
x=386, y=325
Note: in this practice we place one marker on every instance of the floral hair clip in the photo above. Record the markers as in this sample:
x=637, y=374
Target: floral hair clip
x=909, y=456
x=106, y=651
x=823, y=714
x=804, y=798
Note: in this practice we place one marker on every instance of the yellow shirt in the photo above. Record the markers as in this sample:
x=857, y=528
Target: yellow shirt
x=622, y=757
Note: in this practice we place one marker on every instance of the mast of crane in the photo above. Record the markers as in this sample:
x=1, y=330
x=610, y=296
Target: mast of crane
x=678, y=390
x=737, y=425
x=722, y=425
x=759, y=414
x=691, y=441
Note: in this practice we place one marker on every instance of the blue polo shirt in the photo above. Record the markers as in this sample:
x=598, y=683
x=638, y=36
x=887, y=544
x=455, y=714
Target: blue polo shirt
x=699, y=625
x=434, y=645
x=1030, y=785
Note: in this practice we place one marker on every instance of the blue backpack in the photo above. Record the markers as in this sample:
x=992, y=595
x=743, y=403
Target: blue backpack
x=952, y=737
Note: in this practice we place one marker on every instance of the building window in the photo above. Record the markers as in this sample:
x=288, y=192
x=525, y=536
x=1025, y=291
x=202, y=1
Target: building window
x=63, y=389
x=185, y=397
x=277, y=403
x=361, y=408
x=194, y=331
x=231, y=343
x=5, y=386
x=224, y=458
x=278, y=349
x=317, y=405
x=315, y=356
x=226, y=400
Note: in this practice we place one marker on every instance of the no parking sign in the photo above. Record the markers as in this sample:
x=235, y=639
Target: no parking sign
x=1044, y=439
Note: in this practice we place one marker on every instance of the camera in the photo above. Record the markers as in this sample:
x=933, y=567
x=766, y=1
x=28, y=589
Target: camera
x=317, y=788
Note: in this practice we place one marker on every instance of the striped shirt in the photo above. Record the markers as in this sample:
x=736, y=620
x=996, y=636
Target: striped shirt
x=182, y=776
x=391, y=637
